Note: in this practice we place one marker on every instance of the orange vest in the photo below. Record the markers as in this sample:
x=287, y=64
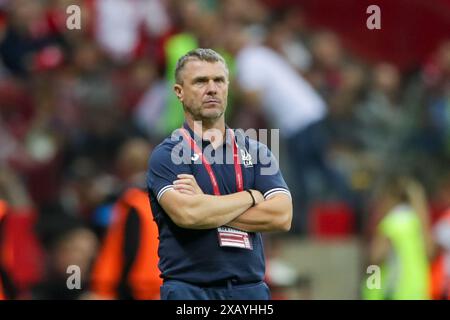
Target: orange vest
x=2, y=296
x=440, y=278
x=3, y=208
x=143, y=278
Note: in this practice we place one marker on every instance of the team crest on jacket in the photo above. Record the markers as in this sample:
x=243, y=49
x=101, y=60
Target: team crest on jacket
x=246, y=158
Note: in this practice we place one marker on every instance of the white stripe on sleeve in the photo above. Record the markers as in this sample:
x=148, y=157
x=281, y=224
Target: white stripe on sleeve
x=275, y=191
x=163, y=190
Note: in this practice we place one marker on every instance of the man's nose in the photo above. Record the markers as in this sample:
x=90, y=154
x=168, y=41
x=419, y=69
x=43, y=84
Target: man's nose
x=212, y=87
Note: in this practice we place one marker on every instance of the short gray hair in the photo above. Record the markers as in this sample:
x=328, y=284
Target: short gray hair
x=201, y=54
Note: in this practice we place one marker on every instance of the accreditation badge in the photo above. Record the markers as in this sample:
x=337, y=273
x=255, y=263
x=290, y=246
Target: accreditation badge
x=230, y=237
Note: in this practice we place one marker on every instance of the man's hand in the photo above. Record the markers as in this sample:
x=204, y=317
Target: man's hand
x=273, y=214
x=257, y=195
x=187, y=184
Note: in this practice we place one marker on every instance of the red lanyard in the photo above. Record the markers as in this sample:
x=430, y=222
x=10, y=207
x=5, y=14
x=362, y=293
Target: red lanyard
x=237, y=166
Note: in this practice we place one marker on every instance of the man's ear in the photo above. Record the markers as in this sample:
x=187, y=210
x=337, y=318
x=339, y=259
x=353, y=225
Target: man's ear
x=178, y=91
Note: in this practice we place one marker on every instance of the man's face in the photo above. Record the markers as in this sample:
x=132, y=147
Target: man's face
x=204, y=89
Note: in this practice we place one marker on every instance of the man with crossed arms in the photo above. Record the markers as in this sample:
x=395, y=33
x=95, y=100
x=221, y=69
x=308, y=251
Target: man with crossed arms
x=209, y=214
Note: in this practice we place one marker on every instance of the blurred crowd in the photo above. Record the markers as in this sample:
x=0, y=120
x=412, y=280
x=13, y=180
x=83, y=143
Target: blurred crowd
x=81, y=109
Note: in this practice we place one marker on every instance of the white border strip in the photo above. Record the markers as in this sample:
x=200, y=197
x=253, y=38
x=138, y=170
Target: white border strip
x=233, y=244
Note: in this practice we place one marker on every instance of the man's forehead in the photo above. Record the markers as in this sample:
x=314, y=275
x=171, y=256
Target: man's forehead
x=195, y=67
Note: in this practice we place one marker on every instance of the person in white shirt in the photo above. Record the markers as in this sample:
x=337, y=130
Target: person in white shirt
x=292, y=105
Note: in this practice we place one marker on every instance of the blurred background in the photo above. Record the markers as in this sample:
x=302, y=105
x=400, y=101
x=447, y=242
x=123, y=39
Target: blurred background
x=364, y=119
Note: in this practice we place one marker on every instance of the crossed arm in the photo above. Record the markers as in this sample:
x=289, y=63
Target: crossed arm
x=188, y=207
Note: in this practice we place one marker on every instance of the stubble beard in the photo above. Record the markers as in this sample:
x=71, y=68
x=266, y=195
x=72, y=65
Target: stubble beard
x=206, y=119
